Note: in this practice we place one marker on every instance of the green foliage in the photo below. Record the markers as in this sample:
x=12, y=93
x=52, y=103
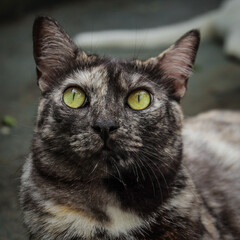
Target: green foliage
x=9, y=121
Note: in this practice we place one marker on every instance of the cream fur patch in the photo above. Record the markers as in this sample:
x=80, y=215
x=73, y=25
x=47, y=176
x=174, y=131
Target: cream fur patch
x=79, y=223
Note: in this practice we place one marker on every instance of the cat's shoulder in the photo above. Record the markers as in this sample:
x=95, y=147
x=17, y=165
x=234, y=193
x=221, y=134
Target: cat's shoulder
x=211, y=147
x=213, y=137
x=212, y=156
x=215, y=129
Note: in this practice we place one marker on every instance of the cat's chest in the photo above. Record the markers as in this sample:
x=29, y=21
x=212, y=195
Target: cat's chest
x=78, y=223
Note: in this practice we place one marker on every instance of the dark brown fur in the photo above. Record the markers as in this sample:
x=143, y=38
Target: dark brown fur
x=69, y=179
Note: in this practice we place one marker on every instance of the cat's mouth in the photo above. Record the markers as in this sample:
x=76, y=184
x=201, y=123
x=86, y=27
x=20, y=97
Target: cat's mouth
x=106, y=150
x=106, y=145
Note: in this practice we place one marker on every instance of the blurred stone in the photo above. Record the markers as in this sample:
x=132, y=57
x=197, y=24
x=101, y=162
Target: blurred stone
x=5, y=130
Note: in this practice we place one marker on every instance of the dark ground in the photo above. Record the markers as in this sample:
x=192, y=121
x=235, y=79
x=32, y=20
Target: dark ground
x=215, y=84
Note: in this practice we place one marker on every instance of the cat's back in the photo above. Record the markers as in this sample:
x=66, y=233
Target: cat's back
x=212, y=155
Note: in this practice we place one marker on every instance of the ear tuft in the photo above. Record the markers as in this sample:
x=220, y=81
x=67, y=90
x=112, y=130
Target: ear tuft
x=53, y=50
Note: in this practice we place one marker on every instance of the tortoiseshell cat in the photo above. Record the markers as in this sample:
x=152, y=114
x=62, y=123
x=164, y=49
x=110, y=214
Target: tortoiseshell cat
x=107, y=159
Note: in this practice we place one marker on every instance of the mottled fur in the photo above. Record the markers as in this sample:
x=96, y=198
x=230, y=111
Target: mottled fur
x=145, y=187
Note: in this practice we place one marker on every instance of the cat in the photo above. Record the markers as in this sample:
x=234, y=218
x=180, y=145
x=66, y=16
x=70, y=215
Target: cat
x=220, y=23
x=109, y=159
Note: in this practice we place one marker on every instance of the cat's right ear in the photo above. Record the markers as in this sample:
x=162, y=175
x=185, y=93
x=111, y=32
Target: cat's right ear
x=53, y=51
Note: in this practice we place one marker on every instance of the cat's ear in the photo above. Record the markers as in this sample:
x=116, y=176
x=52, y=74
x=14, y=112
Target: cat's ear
x=176, y=63
x=53, y=50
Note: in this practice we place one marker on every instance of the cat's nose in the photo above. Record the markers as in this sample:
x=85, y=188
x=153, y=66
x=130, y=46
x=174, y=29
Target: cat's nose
x=105, y=127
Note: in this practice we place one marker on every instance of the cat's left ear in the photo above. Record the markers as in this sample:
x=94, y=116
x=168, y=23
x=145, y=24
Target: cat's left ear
x=176, y=63
x=53, y=49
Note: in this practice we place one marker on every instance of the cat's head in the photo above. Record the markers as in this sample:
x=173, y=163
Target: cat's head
x=111, y=112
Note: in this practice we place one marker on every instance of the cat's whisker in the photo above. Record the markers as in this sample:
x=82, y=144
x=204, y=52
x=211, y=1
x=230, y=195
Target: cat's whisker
x=119, y=174
x=135, y=170
x=159, y=170
x=150, y=153
x=94, y=168
x=137, y=165
x=118, y=178
x=150, y=177
x=157, y=179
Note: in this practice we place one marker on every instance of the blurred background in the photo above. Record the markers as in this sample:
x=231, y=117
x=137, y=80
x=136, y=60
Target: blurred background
x=215, y=83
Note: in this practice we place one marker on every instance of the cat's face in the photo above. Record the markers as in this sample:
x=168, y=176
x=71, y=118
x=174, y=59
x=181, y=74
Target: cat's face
x=106, y=130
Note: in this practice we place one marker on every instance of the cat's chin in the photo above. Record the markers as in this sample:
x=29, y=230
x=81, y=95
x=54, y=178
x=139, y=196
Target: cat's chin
x=104, y=153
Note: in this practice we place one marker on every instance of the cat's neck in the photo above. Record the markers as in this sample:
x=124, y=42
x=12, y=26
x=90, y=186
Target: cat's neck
x=131, y=209
x=143, y=192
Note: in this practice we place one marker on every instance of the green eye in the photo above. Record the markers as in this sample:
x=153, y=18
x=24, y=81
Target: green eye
x=74, y=97
x=139, y=99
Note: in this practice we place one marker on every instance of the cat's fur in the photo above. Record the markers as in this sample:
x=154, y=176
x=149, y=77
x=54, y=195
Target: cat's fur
x=221, y=23
x=145, y=187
